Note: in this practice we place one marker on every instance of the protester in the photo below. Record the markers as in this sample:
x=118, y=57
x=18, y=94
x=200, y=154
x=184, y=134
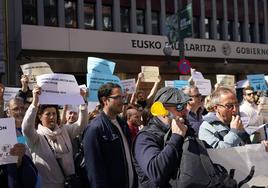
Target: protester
x=139, y=97
x=133, y=121
x=249, y=110
x=20, y=174
x=50, y=144
x=155, y=163
x=16, y=109
x=194, y=107
x=25, y=93
x=107, y=143
x=223, y=128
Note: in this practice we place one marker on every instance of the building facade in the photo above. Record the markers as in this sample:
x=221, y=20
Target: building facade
x=229, y=36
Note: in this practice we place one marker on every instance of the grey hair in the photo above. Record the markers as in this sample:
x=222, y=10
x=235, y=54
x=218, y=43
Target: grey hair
x=215, y=96
x=188, y=88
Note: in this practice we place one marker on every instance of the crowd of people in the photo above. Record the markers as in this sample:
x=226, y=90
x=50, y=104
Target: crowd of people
x=124, y=144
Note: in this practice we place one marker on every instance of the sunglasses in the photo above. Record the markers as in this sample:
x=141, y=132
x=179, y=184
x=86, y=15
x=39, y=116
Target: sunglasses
x=249, y=94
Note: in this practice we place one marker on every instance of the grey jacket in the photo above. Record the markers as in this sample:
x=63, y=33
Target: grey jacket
x=219, y=135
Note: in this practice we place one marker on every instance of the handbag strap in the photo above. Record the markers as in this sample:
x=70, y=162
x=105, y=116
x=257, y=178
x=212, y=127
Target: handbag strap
x=53, y=151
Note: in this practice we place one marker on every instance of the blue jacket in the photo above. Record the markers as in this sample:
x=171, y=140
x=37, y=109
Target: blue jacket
x=23, y=177
x=219, y=135
x=105, y=159
x=155, y=162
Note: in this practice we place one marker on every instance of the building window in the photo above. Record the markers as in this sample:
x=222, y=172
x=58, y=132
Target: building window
x=219, y=30
x=196, y=29
x=261, y=33
x=207, y=28
x=124, y=15
x=240, y=32
x=89, y=14
x=230, y=36
x=107, y=18
x=140, y=21
x=155, y=23
x=251, y=32
x=70, y=13
x=29, y=12
x=51, y=12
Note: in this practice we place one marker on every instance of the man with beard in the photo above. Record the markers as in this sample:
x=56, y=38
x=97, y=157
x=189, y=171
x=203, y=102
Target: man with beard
x=107, y=143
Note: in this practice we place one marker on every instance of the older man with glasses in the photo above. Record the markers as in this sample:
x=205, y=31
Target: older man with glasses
x=249, y=110
x=223, y=128
x=194, y=115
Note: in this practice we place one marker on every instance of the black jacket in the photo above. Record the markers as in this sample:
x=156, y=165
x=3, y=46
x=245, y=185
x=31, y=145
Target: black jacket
x=105, y=158
x=155, y=162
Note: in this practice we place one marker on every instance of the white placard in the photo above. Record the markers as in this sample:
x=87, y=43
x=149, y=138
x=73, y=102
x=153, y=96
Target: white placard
x=225, y=80
x=35, y=69
x=197, y=75
x=59, y=89
x=8, y=139
x=169, y=83
x=242, y=84
x=129, y=85
x=204, y=86
x=150, y=73
x=241, y=159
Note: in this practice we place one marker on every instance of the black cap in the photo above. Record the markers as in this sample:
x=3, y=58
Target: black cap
x=170, y=95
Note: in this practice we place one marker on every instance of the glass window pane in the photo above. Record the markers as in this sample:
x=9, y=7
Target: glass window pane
x=51, y=12
x=107, y=18
x=124, y=20
x=140, y=21
x=155, y=23
x=70, y=13
x=89, y=11
x=29, y=12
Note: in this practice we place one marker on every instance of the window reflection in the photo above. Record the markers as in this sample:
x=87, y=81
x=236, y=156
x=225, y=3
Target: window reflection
x=70, y=13
x=124, y=14
x=29, y=12
x=107, y=18
x=140, y=21
x=155, y=23
x=89, y=11
x=51, y=12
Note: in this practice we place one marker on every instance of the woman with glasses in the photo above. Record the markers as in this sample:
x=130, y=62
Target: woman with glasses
x=223, y=128
x=50, y=142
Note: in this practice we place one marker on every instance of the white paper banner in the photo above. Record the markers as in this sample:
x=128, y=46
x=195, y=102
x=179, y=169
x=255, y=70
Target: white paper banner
x=150, y=73
x=35, y=69
x=204, y=86
x=59, y=89
x=8, y=139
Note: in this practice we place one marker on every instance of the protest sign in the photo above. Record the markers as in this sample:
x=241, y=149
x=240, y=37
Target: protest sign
x=94, y=81
x=225, y=80
x=241, y=159
x=10, y=93
x=179, y=84
x=150, y=73
x=169, y=83
x=100, y=66
x=242, y=84
x=129, y=85
x=204, y=86
x=257, y=81
x=59, y=89
x=35, y=69
x=8, y=139
x=196, y=75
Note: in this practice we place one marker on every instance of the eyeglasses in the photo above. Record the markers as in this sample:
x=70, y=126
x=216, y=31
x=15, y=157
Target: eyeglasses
x=117, y=97
x=229, y=106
